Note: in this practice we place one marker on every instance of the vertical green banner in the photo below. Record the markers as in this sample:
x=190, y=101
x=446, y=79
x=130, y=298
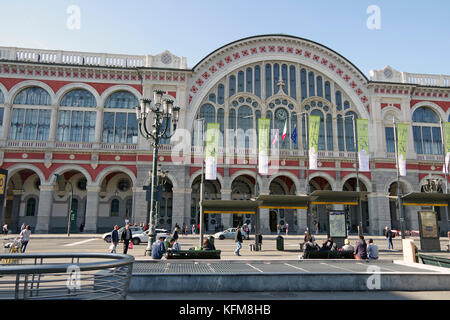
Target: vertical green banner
x=313, y=138
x=263, y=145
x=447, y=145
x=362, y=129
x=212, y=147
x=402, y=142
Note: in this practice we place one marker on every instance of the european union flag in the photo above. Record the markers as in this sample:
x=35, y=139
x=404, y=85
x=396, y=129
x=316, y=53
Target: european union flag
x=294, y=135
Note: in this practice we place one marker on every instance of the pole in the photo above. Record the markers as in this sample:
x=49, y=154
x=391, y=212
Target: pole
x=444, y=152
x=257, y=209
x=399, y=191
x=153, y=191
x=308, y=187
x=70, y=209
x=201, y=184
x=360, y=231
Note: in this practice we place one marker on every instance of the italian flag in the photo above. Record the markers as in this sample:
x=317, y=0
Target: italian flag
x=284, y=131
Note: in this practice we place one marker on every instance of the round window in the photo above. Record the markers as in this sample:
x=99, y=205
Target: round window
x=123, y=185
x=213, y=221
x=81, y=184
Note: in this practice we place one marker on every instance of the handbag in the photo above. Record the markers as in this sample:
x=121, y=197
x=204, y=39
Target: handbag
x=130, y=246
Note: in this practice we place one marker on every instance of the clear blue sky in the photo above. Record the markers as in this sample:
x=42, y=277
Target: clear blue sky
x=414, y=35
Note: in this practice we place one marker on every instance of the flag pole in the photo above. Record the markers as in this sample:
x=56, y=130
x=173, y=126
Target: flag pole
x=399, y=191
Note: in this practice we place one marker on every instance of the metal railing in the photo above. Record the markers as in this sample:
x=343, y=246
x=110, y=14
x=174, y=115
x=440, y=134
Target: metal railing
x=68, y=276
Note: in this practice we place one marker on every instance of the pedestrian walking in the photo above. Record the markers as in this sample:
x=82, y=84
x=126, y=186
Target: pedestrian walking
x=198, y=228
x=287, y=228
x=389, y=235
x=260, y=239
x=183, y=229
x=238, y=240
x=278, y=229
x=114, y=239
x=372, y=250
x=127, y=236
x=361, y=249
x=193, y=229
x=25, y=237
x=5, y=229
x=82, y=227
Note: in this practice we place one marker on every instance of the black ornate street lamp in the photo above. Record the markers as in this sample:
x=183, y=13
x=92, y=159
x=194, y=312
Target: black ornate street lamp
x=153, y=127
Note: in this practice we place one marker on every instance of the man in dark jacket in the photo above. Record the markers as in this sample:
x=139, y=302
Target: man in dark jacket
x=389, y=235
x=238, y=240
x=127, y=236
x=361, y=249
x=114, y=238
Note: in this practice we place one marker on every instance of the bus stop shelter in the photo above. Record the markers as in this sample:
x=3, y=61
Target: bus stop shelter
x=429, y=230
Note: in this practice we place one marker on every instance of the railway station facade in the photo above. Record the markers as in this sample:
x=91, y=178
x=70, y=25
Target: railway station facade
x=72, y=114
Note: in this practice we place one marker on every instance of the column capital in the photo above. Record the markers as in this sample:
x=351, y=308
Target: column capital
x=93, y=189
x=44, y=187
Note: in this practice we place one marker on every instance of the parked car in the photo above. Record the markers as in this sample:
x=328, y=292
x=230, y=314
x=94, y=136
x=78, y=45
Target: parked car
x=143, y=236
x=228, y=234
x=107, y=236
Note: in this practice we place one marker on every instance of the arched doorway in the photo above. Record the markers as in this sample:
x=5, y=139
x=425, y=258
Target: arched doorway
x=282, y=185
x=211, y=191
x=319, y=212
x=70, y=195
x=353, y=216
x=22, y=200
x=116, y=201
x=242, y=188
x=393, y=204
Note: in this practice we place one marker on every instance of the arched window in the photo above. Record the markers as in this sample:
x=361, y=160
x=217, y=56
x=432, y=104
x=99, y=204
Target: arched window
x=76, y=125
x=340, y=132
x=220, y=94
x=349, y=130
x=232, y=86
x=120, y=126
x=249, y=80
x=426, y=131
x=114, y=210
x=276, y=77
x=284, y=77
x=212, y=97
x=129, y=208
x=122, y=100
x=292, y=82
x=338, y=101
x=31, y=207
x=221, y=121
x=31, y=123
x=312, y=91
x=303, y=84
x=327, y=91
x=78, y=98
x=319, y=86
x=241, y=81
x=33, y=96
x=258, y=81
x=268, y=80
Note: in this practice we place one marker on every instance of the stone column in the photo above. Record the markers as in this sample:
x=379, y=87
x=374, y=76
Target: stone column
x=92, y=206
x=6, y=121
x=379, y=212
x=53, y=124
x=139, y=205
x=44, y=208
x=227, y=219
x=98, y=126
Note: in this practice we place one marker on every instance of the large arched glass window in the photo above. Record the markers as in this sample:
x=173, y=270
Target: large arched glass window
x=292, y=82
x=78, y=98
x=119, y=125
x=426, y=131
x=268, y=80
x=249, y=80
x=232, y=86
x=303, y=84
x=220, y=94
x=33, y=96
x=258, y=81
x=240, y=81
x=76, y=121
x=31, y=123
